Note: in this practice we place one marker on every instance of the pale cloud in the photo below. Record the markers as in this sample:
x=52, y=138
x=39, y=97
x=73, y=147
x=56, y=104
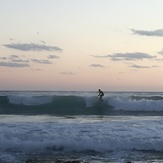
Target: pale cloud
x=32, y=47
x=159, y=59
x=160, y=52
x=20, y=60
x=100, y=56
x=36, y=69
x=53, y=57
x=127, y=56
x=158, y=32
x=16, y=61
x=41, y=61
x=67, y=73
x=43, y=42
x=14, y=56
x=12, y=64
x=3, y=58
x=97, y=65
x=138, y=66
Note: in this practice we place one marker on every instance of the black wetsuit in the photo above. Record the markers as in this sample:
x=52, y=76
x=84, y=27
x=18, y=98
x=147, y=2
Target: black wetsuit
x=101, y=94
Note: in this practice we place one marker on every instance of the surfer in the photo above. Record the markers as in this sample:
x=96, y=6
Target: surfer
x=101, y=94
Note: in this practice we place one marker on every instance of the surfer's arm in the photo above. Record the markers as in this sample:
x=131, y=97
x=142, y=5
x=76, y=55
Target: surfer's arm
x=99, y=94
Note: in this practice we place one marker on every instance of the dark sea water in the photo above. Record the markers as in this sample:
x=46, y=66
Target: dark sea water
x=124, y=126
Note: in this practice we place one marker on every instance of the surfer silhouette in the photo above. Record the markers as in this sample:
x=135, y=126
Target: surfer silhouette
x=101, y=94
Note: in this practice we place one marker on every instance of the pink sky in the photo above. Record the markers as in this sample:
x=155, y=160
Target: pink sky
x=85, y=45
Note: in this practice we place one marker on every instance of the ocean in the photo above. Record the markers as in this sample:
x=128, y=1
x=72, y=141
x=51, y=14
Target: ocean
x=43, y=126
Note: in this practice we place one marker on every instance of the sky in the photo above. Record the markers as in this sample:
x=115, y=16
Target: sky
x=80, y=45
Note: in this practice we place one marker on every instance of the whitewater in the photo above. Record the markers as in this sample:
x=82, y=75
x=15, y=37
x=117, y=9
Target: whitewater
x=49, y=125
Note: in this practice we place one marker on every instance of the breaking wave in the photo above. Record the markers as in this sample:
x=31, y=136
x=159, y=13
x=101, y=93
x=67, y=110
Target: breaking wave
x=79, y=104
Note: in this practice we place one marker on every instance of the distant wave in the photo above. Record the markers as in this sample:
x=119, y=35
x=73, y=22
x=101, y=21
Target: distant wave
x=74, y=104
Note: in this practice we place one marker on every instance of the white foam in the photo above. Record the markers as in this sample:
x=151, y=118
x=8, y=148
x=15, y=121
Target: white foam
x=8, y=158
x=128, y=104
x=107, y=134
